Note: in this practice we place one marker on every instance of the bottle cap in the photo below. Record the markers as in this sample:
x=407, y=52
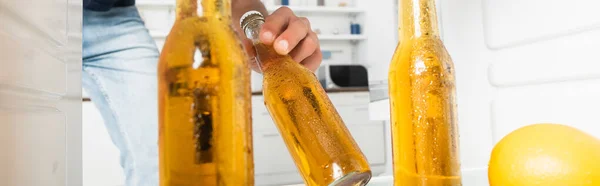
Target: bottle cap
x=248, y=14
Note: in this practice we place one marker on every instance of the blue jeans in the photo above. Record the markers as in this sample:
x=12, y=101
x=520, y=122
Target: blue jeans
x=119, y=73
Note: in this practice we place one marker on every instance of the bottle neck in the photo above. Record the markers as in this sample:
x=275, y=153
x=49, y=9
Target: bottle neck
x=210, y=8
x=217, y=8
x=251, y=23
x=186, y=8
x=251, y=27
x=418, y=18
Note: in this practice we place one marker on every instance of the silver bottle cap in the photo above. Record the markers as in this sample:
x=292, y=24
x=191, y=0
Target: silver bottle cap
x=248, y=14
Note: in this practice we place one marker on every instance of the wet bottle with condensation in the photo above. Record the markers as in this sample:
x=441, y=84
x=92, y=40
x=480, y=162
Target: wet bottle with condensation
x=424, y=124
x=323, y=149
x=205, y=133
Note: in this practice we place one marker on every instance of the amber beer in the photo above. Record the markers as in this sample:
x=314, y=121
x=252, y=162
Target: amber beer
x=422, y=100
x=324, y=151
x=205, y=130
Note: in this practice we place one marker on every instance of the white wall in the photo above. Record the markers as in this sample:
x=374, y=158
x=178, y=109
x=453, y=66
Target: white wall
x=380, y=26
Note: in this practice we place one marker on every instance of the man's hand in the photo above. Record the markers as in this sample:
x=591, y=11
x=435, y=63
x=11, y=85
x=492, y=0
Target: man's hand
x=292, y=35
x=287, y=33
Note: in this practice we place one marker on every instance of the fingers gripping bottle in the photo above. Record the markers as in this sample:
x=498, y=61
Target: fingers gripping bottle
x=323, y=149
x=205, y=134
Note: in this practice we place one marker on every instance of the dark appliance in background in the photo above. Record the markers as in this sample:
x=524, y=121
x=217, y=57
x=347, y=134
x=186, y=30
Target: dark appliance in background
x=343, y=76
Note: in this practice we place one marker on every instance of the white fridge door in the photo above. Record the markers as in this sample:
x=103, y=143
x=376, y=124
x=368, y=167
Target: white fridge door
x=40, y=92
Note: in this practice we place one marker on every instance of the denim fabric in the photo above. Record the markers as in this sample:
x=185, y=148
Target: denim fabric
x=119, y=73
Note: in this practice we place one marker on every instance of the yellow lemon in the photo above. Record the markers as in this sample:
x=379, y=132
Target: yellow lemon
x=545, y=154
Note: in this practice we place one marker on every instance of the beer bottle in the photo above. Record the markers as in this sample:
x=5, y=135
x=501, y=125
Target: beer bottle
x=205, y=134
x=323, y=149
x=422, y=102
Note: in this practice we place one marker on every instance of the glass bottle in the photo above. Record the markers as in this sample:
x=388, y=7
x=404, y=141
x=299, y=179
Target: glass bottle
x=205, y=134
x=422, y=102
x=322, y=147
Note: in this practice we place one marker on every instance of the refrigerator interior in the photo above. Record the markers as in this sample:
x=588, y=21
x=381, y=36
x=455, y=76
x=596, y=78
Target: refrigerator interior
x=518, y=62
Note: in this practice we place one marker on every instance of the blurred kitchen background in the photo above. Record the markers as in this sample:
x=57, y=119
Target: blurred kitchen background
x=518, y=62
